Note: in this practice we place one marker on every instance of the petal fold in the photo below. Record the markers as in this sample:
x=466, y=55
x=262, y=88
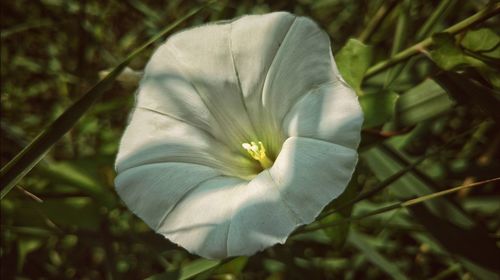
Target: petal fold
x=310, y=173
x=201, y=221
x=330, y=113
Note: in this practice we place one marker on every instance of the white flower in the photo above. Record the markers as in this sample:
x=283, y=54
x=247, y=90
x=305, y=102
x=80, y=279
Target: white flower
x=242, y=131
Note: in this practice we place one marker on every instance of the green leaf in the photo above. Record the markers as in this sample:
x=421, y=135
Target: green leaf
x=358, y=240
x=233, y=267
x=467, y=91
x=445, y=53
x=35, y=151
x=449, y=56
x=378, y=108
x=425, y=101
x=481, y=40
x=353, y=60
x=189, y=271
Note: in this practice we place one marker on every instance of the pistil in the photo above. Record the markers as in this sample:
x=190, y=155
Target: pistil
x=258, y=152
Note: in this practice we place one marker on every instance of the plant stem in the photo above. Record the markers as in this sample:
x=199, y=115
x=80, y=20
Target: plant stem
x=489, y=11
x=397, y=205
x=426, y=28
x=376, y=20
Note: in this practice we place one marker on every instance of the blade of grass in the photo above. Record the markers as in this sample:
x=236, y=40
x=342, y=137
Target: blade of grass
x=489, y=11
x=34, y=152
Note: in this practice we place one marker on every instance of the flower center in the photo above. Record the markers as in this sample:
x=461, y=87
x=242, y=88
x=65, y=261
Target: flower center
x=258, y=152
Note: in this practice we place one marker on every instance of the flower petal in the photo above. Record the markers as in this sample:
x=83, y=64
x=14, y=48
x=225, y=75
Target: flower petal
x=310, y=173
x=262, y=219
x=203, y=56
x=200, y=222
x=225, y=217
x=165, y=89
x=300, y=65
x=151, y=191
x=255, y=41
x=152, y=137
x=330, y=113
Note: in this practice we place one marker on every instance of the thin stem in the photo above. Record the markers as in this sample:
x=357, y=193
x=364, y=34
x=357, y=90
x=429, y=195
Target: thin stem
x=445, y=192
x=397, y=205
x=489, y=11
x=431, y=21
x=376, y=20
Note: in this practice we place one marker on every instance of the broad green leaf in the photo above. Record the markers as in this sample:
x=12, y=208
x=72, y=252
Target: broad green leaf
x=358, y=240
x=467, y=91
x=449, y=56
x=353, y=60
x=481, y=40
x=425, y=101
x=35, y=151
x=378, y=108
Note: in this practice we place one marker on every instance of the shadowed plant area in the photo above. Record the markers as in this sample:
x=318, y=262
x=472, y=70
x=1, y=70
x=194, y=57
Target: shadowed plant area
x=423, y=200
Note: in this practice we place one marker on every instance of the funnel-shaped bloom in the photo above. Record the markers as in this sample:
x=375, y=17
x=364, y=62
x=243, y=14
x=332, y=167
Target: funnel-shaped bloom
x=242, y=131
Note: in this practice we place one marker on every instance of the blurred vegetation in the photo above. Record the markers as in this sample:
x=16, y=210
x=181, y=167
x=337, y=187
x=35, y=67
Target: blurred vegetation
x=432, y=119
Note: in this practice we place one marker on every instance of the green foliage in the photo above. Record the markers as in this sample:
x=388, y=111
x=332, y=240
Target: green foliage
x=431, y=122
x=353, y=60
x=378, y=107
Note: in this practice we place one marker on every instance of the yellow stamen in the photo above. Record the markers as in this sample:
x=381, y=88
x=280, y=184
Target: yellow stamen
x=258, y=152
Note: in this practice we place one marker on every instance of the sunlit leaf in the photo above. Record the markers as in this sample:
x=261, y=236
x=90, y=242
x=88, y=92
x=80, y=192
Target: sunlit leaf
x=353, y=60
x=481, y=40
x=446, y=53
